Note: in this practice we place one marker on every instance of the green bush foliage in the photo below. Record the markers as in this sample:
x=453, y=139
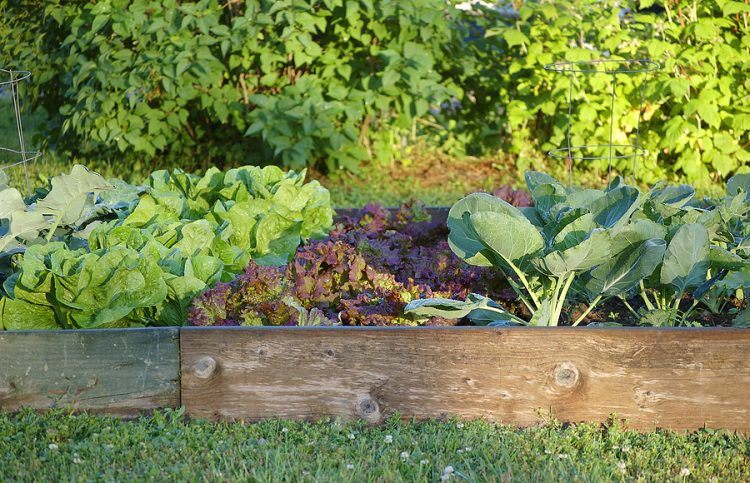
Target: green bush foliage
x=696, y=115
x=287, y=80
x=302, y=82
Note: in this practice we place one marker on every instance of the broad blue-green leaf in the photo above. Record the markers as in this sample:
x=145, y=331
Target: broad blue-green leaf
x=620, y=274
x=616, y=206
x=632, y=234
x=543, y=315
x=515, y=240
x=575, y=231
x=593, y=251
x=462, y=239
x=535, y=178
x=456, y=309
x=722, y=259
x=742, y=319
x=546, y=197
x=23, y=225
x=739, y=183
x=687, y=259
x=671, y=195
x=735, y=280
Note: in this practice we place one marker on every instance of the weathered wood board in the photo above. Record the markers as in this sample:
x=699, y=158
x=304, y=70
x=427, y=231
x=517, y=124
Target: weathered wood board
x=115, y=371
x=670, y=378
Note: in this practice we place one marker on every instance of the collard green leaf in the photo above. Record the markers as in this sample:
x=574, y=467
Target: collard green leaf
x=463, y=240
x=622, y=273
x=593, y=251
x=576, y=227
x=722, y=259
x=739, y=183
x=543, y=315
x=546, y=198
x=686, y=260
x=742, y=319
x=478, y=308
x=616, y=206
x=671, y=195
x=514, y=239
x=535, y=178
x=23, y=225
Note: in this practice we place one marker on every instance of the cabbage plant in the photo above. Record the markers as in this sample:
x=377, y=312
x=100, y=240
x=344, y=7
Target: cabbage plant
x=581, y=241
x=591, y=245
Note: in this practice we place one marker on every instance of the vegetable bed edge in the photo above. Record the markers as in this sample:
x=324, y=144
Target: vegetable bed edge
x=677, y=378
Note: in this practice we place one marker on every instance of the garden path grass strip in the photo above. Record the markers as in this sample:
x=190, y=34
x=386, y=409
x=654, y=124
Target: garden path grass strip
x=165, y=447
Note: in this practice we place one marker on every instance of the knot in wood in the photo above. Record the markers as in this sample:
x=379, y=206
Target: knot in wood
x=205, y=367
x=368, y=408
x=567, y=375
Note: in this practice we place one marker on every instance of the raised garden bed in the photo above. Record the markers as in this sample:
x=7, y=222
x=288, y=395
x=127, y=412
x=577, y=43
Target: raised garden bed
x=678, y=378
x=648, y=258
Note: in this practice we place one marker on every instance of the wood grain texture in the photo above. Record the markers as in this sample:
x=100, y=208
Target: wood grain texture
x=673, y=378
x=115, y=371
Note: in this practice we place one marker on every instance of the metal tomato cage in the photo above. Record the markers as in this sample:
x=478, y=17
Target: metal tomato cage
x=613, y=68
x=10, y=156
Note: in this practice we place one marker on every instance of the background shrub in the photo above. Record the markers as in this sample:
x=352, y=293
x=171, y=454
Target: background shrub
x=339, y=81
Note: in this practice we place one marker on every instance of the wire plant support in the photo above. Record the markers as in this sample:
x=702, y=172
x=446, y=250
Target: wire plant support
x=9, y=156
x=611, y=150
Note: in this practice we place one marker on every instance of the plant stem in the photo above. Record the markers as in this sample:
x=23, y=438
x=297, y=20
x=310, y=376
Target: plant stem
x=630, y=308
x=561, y=298
x=506, y=313
x=588, y=310
x=644, y=296
x=520, y=294
x=525, y=283
x=690, y=310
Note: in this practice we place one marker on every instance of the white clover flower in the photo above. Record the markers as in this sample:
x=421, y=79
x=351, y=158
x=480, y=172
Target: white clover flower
x=284, y=430
x=562, y=456
x=424, y=462
x=349, y=466
x=388, y=439
x=53, y=446
x=684, y=472
x=404, y=455
x=447, y=472
x=460, y=425
x=351, y=436
x=621, y=466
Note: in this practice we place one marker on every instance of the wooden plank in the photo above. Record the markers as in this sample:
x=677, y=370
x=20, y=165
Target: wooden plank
x=673, y=378
x=115, y=371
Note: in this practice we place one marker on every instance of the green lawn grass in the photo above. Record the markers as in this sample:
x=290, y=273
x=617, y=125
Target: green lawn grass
x=165, y=446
